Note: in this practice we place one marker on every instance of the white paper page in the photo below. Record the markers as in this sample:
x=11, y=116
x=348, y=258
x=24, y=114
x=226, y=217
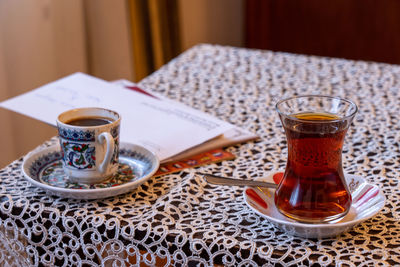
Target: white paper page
x=160, y=126
x=232, y=136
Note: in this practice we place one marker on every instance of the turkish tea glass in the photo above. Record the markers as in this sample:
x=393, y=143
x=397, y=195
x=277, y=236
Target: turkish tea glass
x=313, y=189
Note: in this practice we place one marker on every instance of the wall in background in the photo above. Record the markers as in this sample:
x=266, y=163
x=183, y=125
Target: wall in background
x=8, y=151
x=210, y=21
x=44, y=40
x=40, y=41
x=108, y=39
x=353, y=29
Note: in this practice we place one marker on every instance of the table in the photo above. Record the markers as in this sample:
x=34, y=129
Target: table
x=181, y=220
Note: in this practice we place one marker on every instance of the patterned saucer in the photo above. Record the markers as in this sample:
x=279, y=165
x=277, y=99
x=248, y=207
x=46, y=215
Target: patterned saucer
x=368, y=200
x=44, y=169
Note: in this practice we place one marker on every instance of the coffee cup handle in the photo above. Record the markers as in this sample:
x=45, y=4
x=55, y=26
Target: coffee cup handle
x=109, y=150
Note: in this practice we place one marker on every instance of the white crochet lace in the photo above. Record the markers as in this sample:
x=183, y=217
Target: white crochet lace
x=181, y=220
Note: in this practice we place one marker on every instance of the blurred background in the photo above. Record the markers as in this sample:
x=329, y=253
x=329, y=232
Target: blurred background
x=43, y=40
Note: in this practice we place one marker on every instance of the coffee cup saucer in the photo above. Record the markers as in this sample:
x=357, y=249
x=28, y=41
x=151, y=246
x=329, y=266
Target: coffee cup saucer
x=368, y=200
x=44, y=168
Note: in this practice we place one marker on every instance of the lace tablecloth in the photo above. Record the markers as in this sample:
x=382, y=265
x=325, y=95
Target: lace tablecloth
x=179, y=219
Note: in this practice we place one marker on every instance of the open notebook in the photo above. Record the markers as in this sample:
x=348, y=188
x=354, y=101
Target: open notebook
x=170, y=129
x=233, y=136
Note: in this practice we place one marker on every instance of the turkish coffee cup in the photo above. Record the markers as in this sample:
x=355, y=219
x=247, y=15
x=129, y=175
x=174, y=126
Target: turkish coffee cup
x=89, y=140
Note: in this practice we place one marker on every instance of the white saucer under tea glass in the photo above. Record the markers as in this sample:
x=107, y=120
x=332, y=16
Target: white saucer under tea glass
x=368, y=200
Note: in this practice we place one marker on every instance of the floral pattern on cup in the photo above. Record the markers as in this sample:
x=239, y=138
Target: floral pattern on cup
x=115, y=131
x=79, y=155
x=115, y=156
x=75, y=135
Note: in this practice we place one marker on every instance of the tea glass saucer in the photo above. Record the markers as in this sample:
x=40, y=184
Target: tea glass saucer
x=368, y=200
x=44, y=169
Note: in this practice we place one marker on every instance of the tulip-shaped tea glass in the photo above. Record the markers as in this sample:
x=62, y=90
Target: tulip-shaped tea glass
x=313, y=189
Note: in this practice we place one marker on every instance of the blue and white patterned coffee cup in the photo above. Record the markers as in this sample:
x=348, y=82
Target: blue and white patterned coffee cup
x=90, y=153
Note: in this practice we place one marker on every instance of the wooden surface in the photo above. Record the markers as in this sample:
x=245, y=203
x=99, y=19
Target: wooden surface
x=354, y=29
